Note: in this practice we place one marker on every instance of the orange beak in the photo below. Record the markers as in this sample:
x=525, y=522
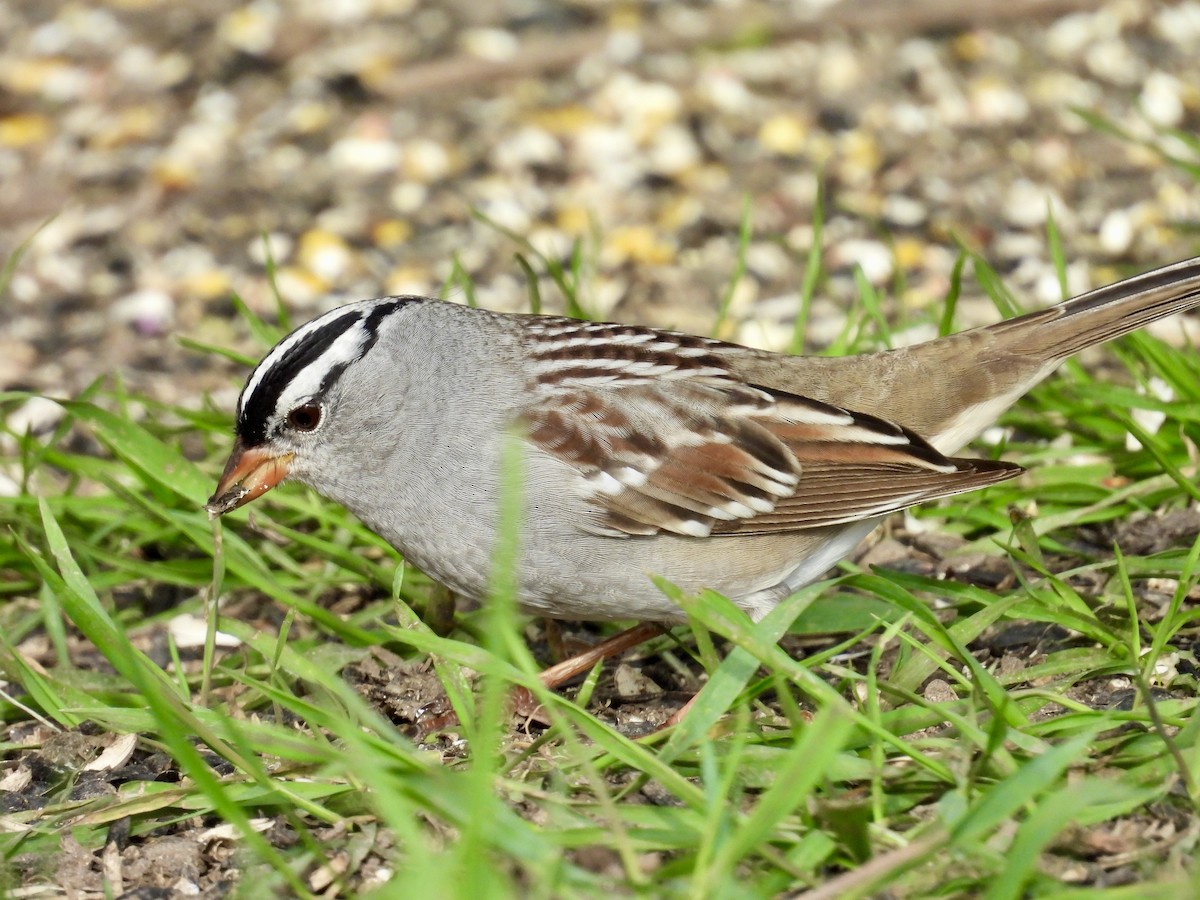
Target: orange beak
x=249, y=474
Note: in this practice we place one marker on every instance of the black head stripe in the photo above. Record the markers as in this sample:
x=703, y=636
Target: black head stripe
x=300, y=350
x=378, y=314
x=256, y=410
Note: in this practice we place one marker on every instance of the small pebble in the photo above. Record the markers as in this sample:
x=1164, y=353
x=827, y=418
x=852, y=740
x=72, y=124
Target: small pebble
x=1069, y=37
x=1178, y=23
x=1162, y=99
x=528, y=147
x=364, y=155
x=673, y=151
x=37, y=416
x=190, y=631
x=408, y=197
x=1112, y=61
x=939, y=690
x=1116, y=232
x=642, y=106
x=636, y=244
x=996, y=101
x=277, y=246
x=873, y=257
x=324, y=253
x=631, y=683
x=425, y=160
x=1026, y=204
x=150, y=311
x=252, y=28
x=493, y=44
x=903, y=212
x=300, y=288
x=24, y=130
x=1150, y=419
x=783, y=134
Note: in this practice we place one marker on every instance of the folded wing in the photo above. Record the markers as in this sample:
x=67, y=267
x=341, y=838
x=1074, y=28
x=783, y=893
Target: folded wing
x=665, y=440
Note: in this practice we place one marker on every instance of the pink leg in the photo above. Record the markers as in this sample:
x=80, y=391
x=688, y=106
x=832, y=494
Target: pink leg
x=562, y=672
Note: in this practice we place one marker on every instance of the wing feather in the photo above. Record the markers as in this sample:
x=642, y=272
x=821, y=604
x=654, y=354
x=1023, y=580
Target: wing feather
x=665, y=439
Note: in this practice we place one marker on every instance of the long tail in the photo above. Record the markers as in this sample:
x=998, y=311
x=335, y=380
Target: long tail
x=1103, y=314
x=950, y=389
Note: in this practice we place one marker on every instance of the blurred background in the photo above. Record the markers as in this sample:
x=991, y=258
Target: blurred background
x=151, y=151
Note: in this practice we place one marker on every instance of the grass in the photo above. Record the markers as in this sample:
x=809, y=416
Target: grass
x=842, y=771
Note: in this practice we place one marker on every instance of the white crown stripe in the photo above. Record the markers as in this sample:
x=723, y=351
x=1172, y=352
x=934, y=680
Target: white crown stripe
x=280, y=351
x=307, y=383
x=360, y=330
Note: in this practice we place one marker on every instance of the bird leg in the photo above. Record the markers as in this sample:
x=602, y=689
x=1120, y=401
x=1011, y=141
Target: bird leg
x=522, y=701
x=440, y=609
x=561, y=673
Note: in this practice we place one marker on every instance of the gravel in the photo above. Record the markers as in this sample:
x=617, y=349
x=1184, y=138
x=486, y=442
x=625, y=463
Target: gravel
x=150, y=153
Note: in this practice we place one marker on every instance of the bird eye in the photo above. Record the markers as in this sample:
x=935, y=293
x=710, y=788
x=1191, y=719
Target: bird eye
x=306, y=417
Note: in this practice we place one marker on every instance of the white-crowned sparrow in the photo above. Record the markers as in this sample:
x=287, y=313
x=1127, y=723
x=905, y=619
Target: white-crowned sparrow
x=648, y=452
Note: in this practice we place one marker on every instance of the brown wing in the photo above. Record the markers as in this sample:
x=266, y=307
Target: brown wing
x=698, y=453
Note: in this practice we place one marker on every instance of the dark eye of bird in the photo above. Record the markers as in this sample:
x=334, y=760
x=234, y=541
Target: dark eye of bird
x=306, y=417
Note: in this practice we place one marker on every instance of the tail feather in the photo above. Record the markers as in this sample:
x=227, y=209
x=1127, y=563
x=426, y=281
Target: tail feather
x=1103, y=314
x=949, y=389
